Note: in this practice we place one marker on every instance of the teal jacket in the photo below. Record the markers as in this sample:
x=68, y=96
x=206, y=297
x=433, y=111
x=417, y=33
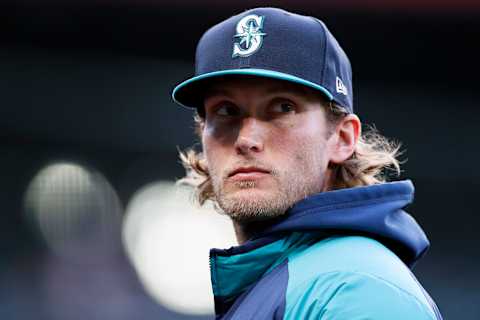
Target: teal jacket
x=337, y=255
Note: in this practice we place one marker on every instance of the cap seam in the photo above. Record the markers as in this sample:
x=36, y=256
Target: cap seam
x=324, y=49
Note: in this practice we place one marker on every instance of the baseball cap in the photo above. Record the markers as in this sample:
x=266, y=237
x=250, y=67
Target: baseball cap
x=272, y=43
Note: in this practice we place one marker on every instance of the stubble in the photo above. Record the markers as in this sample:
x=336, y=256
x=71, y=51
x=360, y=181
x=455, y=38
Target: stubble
x=245, y=201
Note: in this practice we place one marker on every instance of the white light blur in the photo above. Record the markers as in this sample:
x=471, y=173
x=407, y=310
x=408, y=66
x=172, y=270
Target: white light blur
x=74, y=208
x=168, y=241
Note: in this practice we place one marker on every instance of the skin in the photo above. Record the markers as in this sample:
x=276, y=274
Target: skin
x=279, y=132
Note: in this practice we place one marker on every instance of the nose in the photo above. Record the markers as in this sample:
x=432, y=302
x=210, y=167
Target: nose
x=250, y=137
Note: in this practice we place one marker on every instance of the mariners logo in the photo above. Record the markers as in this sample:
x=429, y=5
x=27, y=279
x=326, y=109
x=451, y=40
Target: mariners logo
x=249, y=32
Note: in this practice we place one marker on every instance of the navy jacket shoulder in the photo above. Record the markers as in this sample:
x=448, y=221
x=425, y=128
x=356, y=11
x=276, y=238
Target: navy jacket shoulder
x=342, y=254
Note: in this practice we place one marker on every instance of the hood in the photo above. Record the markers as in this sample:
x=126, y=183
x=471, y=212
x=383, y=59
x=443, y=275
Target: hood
x=375, y=211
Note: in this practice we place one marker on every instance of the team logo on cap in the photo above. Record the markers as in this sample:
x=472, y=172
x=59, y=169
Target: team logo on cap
x=249, y=31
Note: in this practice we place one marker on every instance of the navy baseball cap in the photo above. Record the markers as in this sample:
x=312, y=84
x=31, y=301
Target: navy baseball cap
x=272, y=43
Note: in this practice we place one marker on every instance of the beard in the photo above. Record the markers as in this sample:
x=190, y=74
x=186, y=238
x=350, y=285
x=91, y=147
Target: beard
x=257, y=200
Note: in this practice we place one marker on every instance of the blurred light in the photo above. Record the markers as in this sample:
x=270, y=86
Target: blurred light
x=75, y=209
x=168, y=241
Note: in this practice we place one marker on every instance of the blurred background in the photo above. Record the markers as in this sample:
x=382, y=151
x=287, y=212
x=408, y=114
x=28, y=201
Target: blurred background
x=91, y=226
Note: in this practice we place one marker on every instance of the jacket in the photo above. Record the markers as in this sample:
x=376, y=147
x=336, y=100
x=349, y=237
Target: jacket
x=343, y=254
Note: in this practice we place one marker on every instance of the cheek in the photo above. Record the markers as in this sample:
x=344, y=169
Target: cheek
x=214, y=150
x=219, y=135
x=303, y=144
x=210, y=149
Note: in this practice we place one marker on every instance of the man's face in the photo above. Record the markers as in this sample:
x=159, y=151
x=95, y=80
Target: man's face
x=266, y=144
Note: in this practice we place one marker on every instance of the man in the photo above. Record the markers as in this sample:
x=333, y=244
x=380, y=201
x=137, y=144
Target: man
x=321, y=234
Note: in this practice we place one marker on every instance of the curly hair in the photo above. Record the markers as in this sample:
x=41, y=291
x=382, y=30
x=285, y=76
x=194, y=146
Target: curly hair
x=374, y=156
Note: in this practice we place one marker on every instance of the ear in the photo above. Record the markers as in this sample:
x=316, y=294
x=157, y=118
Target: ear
x=344, y=139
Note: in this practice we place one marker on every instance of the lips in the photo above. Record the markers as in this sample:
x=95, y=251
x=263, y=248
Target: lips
x=248, y=172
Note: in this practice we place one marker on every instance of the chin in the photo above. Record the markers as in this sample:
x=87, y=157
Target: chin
x=253, y=204
x=251, y=193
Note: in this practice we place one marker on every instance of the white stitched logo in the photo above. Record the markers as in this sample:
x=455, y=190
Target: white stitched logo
x=249, y=31
x=341, y=87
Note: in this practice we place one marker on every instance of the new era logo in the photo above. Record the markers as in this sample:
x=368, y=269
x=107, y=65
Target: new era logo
x=341, y=87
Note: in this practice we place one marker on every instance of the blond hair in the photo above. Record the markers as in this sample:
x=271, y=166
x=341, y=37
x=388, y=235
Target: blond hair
x=374, y=156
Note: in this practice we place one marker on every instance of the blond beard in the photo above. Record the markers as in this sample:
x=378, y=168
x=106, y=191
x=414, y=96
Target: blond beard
x=291, y=188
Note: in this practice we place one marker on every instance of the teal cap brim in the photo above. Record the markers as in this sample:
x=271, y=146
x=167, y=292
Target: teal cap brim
x=185, y=96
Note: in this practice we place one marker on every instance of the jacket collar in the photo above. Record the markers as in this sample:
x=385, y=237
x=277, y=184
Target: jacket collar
x=234, y=270
x=372, y=210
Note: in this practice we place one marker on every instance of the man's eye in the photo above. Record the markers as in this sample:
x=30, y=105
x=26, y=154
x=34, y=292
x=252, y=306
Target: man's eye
x=283, y=107
x=226, y=110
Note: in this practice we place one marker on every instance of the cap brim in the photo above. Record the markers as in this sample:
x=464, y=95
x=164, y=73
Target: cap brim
x=190, y=94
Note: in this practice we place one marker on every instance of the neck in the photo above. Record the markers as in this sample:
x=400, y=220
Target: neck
x=246, y=230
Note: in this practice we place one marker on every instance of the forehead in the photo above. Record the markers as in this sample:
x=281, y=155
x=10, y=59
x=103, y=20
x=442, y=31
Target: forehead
x=233, y=85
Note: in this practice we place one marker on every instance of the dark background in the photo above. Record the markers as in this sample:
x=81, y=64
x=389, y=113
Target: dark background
x=90, y=81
